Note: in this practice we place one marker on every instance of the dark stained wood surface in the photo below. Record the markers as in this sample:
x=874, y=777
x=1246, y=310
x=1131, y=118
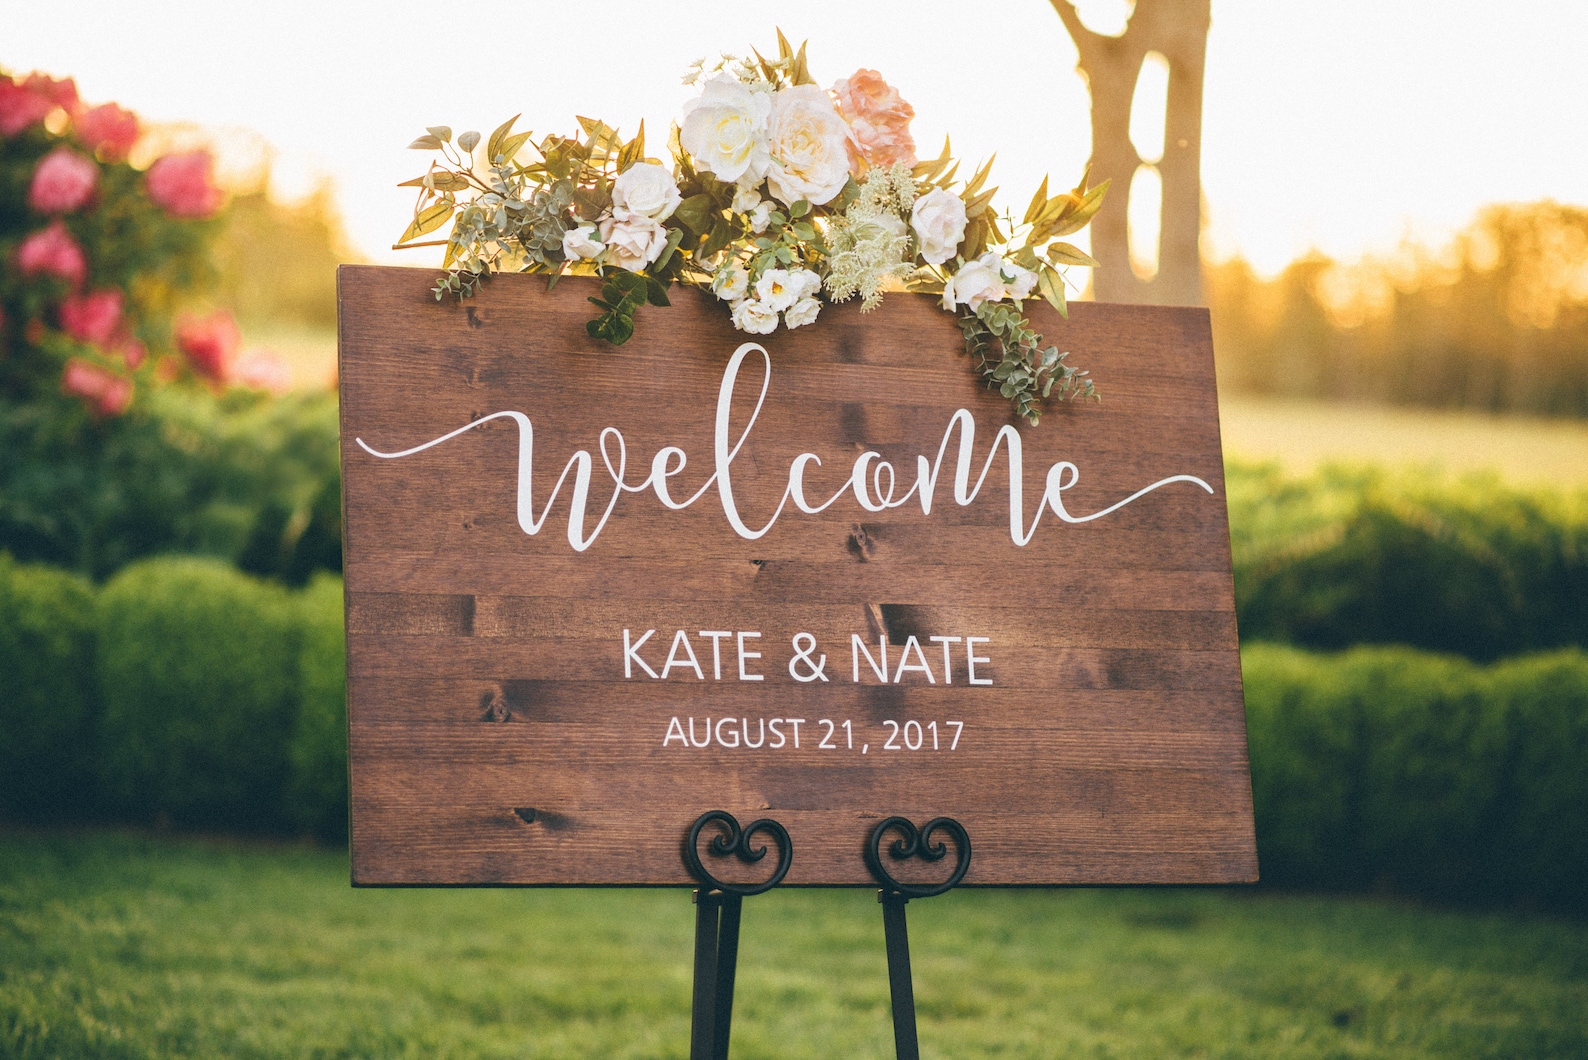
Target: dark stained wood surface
x=486, y=665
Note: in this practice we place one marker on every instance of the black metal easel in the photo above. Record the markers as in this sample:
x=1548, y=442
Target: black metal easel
x=718, y=906
x=894, y=895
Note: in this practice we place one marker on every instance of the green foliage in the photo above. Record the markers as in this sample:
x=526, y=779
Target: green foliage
x=1497, y=320
x=1011, y=357
x=242, y=477
x=1354, y=555
x=47, y=691
x=621, y=295
x=317, y=789
x=1421, y=773
x=198, y=667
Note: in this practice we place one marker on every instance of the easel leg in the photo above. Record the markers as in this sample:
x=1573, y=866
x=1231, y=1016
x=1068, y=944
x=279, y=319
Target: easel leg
x=900, y=984
x=716, y=962
x=727, y=965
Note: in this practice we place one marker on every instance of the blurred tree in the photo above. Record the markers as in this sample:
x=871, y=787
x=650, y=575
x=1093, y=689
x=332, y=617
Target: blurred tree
x=277, y=261
x=1496, y=320
x=1177, y=30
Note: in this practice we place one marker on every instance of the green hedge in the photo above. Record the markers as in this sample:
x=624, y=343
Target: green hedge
x=1425, y=774
x=1366, y=556
x=317, y=791
x=198, y=666
x=46, y=691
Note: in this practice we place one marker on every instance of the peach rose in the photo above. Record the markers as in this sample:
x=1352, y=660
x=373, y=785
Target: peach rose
x=878, y=116
x=62, y=181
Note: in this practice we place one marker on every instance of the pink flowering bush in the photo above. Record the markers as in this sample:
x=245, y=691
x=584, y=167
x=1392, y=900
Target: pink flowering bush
x=97, y=254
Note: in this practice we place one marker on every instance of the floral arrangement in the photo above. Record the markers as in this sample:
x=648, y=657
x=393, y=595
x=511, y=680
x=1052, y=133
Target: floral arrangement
x=778, y=196
x=98, y=251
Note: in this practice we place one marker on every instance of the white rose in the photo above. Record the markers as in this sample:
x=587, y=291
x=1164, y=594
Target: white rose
x=760, y=217
x=801, y=313
x=754, y=316
x=731, y=283
x=804, y=282
x=580, y=244
x=725, y=131
x=647, y=189
x=778, y=289
x=809, y=143
x=1018, y=281
x=976, y=282
x=745, y=199
x=939, y=222
x=633, y=239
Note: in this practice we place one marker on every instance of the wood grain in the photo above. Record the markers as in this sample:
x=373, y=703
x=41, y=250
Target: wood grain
x=497, y=738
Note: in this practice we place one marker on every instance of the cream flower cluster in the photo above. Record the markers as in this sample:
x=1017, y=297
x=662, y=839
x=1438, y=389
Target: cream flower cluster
x=791, y=292
x=631, y=233
x=989, y=278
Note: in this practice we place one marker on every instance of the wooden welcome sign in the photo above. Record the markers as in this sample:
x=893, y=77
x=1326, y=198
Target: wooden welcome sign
x=816, y=576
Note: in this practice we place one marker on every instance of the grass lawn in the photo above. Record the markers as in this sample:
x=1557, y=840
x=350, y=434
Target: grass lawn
x=117, y=945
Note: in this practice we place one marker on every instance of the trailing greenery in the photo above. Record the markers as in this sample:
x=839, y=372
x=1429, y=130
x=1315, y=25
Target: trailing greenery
x=47, y=691
x=133, y=947
x=1365, y=555
x=1424, y=774
x=241, y=477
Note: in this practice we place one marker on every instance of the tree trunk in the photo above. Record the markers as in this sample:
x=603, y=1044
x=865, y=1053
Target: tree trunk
x=1178, y=30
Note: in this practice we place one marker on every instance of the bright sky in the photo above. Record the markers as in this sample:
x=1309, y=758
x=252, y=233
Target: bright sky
x=1341, y=125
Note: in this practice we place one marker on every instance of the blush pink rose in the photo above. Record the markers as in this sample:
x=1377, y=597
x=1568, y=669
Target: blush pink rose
x=133, y=352
x=20, y=107
x=878, y=117
x=108, y=130
x=91, y=317
x=60, y=91
x=263, y=370
x=53, y=252
x=209, y=343
x=184, y=185
x=62, y=181
x=105, y=393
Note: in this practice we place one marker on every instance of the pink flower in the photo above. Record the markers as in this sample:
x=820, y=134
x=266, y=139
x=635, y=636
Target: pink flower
x=20, y=107
x=105, y=393
x=878, y=116
x=209, y=343
x=62, y=181
x=133, y=352
x=183, y=185
x=108, y=130
x=263, y=370
x=53, y=252
x=92, y=317
x=61, y=92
